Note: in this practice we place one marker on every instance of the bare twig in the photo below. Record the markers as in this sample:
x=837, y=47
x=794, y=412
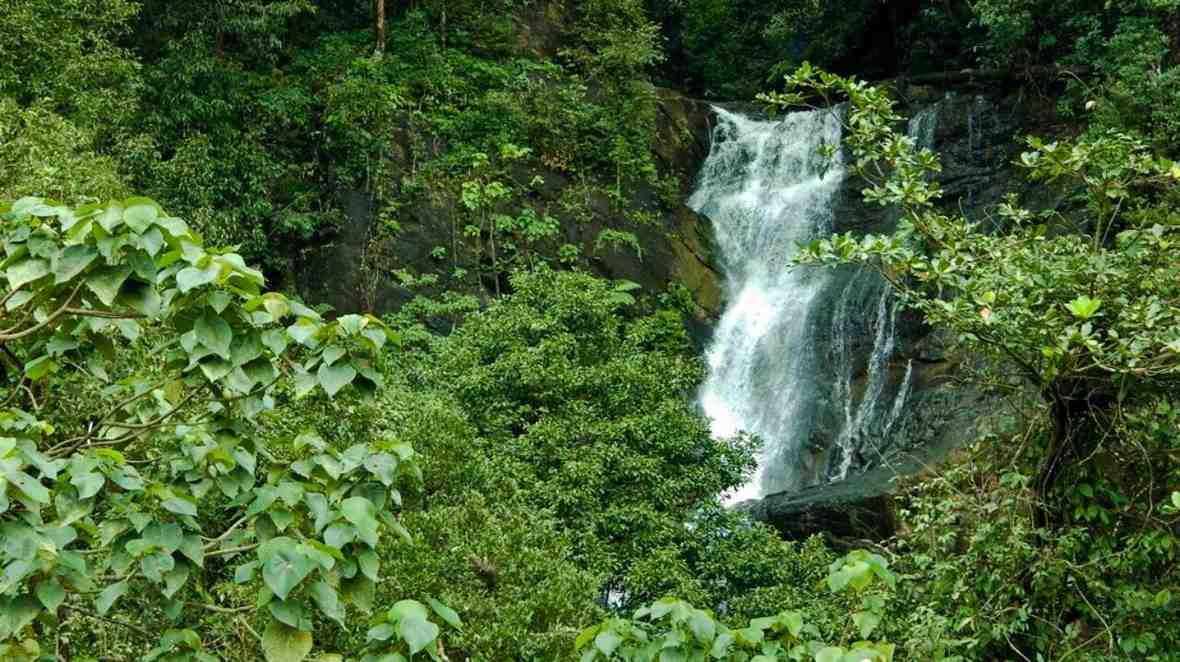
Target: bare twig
x=6, y=335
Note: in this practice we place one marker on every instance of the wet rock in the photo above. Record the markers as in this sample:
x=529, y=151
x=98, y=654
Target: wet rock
x=352, y=271
x=855, y=509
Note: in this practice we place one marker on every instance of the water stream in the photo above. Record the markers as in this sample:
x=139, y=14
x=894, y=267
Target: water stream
x=801, y=357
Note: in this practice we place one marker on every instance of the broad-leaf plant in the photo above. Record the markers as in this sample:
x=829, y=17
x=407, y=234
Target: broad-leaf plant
x=137, y=368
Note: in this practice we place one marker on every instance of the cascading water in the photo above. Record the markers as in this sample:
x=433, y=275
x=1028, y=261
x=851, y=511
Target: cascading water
x=869, y=416
x=787, y=360
x=766, y=188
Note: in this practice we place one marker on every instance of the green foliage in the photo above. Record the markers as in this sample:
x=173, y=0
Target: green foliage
x=233, y=151
x=527, y=584
x=407, y=627
x=43, y=152
x=252, y=30
x=674, y=629
x=250, y=117
x=67, y=52
x=616, y=41
x=1138, y=85
x=139, y=366
x=160, y=498
x=587, y=417
x=980, y=577
x=1026, y=31
x=1124, y=51
x=508, y=567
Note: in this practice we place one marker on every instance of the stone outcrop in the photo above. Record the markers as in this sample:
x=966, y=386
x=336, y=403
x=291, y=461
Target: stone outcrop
x=975, y=135
x=353, y=273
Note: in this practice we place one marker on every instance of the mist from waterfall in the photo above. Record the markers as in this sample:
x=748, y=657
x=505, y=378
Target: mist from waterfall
x=788, y=361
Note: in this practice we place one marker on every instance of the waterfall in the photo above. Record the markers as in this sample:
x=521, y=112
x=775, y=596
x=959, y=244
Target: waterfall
x=801, y=357
x=868, y=417
x=766, y=188
x=860, y=428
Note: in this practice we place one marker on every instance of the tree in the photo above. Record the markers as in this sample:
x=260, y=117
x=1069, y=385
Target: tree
x=60, y=50
x=138, y=366
x=579, y=410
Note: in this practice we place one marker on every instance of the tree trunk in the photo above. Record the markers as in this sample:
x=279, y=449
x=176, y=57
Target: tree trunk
x=1057, y=456
x=1174, y=38
x=379, y=27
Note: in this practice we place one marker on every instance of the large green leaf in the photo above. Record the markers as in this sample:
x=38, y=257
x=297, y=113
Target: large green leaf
x=51, y=593
x=721, y=645
x=673, y=655
x=154, y=566
x=106, y=282
x=607, y=641
x=88, y=484
x=30, y=487
x=72, y=261
x=703, y=627
x=141, y=216
x=179, y=506
x=446, y=613
x=326, y=599
x=275, y=340
x=369, y=563
x=829, y=654
x=16, y=613
x=282, y=643
x=285, y=568
x=363, y=515
x=417, y=632
x=142, y=298
x=26, y=272
x=289, y=612
x=192, y=277
x=335, y=377
x=383, y=466
x=359, y=591
x=109, y=596
x=866, y=622
x=174, y=579
x=214, y=333
x=39, y=367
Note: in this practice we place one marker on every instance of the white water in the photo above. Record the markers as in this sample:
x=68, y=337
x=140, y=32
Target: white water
x=868, y=417
x=766, y=187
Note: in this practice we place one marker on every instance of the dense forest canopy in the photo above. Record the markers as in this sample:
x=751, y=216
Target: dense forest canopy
x=197, y=464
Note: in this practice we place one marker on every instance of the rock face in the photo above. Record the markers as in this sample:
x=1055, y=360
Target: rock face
x=352, y=272
x=974, y=133
x=843, y=511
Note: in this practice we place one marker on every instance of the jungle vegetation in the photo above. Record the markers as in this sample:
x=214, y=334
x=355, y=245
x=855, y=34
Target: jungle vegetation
x=197, y=465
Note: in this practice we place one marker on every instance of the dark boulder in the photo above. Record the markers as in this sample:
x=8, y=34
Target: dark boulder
x=843, y=511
